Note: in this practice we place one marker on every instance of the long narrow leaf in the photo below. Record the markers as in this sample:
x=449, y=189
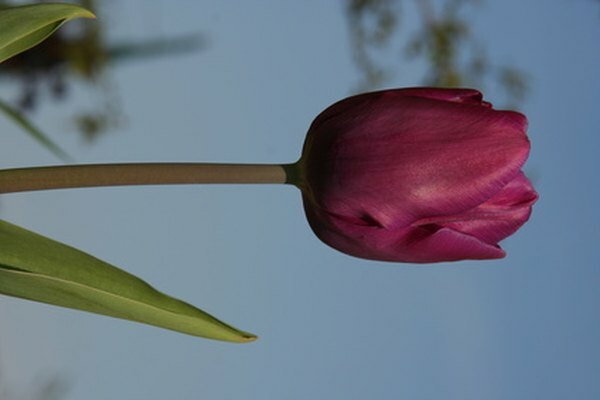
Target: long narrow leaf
x=34, y=132
x=25, y=26
x=37, y=268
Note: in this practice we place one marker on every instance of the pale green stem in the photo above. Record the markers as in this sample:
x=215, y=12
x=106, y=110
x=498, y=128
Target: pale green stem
x=79, y=176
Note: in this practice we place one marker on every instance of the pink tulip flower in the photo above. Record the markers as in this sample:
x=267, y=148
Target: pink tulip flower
x=412, y=175
x=416, y=175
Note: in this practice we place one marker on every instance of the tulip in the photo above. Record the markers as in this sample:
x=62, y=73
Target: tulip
x=416, y=175
x=410, y=175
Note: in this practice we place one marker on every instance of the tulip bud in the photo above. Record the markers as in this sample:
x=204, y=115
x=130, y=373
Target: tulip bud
x=416, y=175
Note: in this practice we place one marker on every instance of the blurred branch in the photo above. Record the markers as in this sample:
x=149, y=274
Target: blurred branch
x=51, y=387
x=440, y=41
x=34, y=132
x=443, y=40
x=372, y=23
x=82, y=53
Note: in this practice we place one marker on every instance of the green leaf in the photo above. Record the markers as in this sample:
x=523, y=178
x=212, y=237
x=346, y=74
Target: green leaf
x=25, y=26
x=37, y=268
x=34, y=132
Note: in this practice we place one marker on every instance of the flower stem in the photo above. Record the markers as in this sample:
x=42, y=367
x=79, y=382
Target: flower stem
x=91, y=175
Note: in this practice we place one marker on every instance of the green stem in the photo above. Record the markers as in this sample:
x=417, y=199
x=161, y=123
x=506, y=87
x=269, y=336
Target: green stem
x=79, y=176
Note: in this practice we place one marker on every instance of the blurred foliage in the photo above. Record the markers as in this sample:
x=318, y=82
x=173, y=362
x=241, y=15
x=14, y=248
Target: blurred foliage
x=444, y=41
x=81, y=52
x=44, y=388
x=371, y=23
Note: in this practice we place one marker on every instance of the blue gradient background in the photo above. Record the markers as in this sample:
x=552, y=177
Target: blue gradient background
x=330, y=326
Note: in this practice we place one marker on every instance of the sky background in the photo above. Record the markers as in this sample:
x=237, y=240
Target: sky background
x=330, y=326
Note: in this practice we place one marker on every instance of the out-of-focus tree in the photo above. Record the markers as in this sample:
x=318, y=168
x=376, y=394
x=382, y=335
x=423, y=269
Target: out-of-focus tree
x=444, y=40
x=45, y=388
x=81, y=51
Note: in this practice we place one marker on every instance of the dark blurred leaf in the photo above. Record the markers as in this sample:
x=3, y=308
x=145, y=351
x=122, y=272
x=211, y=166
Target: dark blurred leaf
x=34, y=132
x=514, y=82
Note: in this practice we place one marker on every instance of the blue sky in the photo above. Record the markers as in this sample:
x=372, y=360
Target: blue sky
x=330, y=326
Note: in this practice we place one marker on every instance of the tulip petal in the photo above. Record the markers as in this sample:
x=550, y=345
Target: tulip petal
x=420, y=244
x=402, y=159
x=465, y=96
x=416, y=175
x=500, y=216
x=456, y=95
x=449, y=245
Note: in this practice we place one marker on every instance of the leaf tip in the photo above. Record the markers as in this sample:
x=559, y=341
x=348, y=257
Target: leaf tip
x=248, y=338
x=88, y=14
